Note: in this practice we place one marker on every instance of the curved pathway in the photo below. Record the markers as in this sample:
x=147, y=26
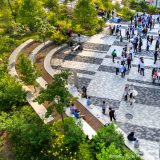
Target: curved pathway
x=39, y=109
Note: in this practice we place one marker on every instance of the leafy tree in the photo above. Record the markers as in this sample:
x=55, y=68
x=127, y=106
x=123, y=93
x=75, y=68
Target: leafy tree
x=28, y=72
x=6, y=43
x=30, y=11
x=11, y=93
x=44, y=29
x=85, y=15
x=107, y=4
x=65, y=146
x=113, y=153
x=56, y=93
x=51, y=5
x=28, y=133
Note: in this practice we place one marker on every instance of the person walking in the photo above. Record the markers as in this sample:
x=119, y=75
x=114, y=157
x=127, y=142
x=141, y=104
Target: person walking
x=155, y=56
x=84, y=92
x=117, y=67
x=114, y=55
x=104, y=107
x=112, y=114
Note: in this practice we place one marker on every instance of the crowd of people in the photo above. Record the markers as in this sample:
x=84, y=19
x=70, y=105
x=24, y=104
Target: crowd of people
x=142, y=23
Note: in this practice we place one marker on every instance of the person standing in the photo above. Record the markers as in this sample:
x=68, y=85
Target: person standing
x=126, y=93
x=117, y=67
x=151, y=40
x=114, y=55
x=84, y=92
x=123, y=70
x=157, y=45
x=142, y=67
x=129, y=59
x=88, y=101
x=140, y=61
x=140, y=45
x=155, y=56
x=111, y=114
x=104, y=107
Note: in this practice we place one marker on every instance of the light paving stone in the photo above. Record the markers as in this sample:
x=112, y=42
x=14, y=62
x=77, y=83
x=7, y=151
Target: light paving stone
x=107, y=85
x=102, y=39
x=96, y=46
x=151, y=147
x=91, y=54
x=143, y=115
x=117, y=48
x=135, y=75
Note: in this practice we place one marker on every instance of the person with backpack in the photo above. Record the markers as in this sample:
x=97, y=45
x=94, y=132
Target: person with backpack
x=114, y=55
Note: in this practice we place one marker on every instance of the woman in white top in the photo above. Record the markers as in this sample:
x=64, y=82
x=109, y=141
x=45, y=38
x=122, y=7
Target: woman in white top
x=142, y=68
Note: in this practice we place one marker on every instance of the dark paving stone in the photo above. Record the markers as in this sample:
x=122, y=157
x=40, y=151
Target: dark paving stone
x=145, y=53
x=98, y=102
x=94, y=46
x=144, y=82
x=81, y=82
x=148, y=96
x=146, y=67
x=73, y=57
x=118, y=43
x=75, y=70
x=141, y=132
x=109, y=69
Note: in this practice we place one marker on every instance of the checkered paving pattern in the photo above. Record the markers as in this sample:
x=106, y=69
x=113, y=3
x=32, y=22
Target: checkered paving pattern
x=96, y=71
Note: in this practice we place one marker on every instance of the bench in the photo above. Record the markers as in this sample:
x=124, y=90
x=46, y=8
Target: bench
x=75, y=48
x=86, y=128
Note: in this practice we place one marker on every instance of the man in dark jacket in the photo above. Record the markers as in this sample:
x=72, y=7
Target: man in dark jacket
x=111, y=114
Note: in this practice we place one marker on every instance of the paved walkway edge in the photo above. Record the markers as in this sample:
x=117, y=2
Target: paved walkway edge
x=50, y=70
x=39, y=109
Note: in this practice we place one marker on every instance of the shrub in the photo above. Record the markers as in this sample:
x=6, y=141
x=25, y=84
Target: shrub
x=126, y=13
x=58, y=37
x=105, y=137
x=11, y=93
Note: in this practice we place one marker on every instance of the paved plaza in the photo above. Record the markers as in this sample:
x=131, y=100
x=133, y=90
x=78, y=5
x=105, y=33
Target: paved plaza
x=96, y=71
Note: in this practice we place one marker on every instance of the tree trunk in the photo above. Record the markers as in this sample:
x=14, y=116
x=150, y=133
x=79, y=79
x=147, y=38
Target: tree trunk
x=13, y=15
x=35, y=89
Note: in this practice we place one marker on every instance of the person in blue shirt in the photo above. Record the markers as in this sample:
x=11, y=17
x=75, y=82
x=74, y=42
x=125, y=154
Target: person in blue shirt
x=89, y=101
x=78, y=115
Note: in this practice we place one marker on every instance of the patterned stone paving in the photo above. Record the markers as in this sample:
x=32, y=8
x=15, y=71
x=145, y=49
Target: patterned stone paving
x=98, y=102
x=142, y=132
x=73, y=69
x=94, y=46
x=96, y=61
x=118, y=43
x=148, y=96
